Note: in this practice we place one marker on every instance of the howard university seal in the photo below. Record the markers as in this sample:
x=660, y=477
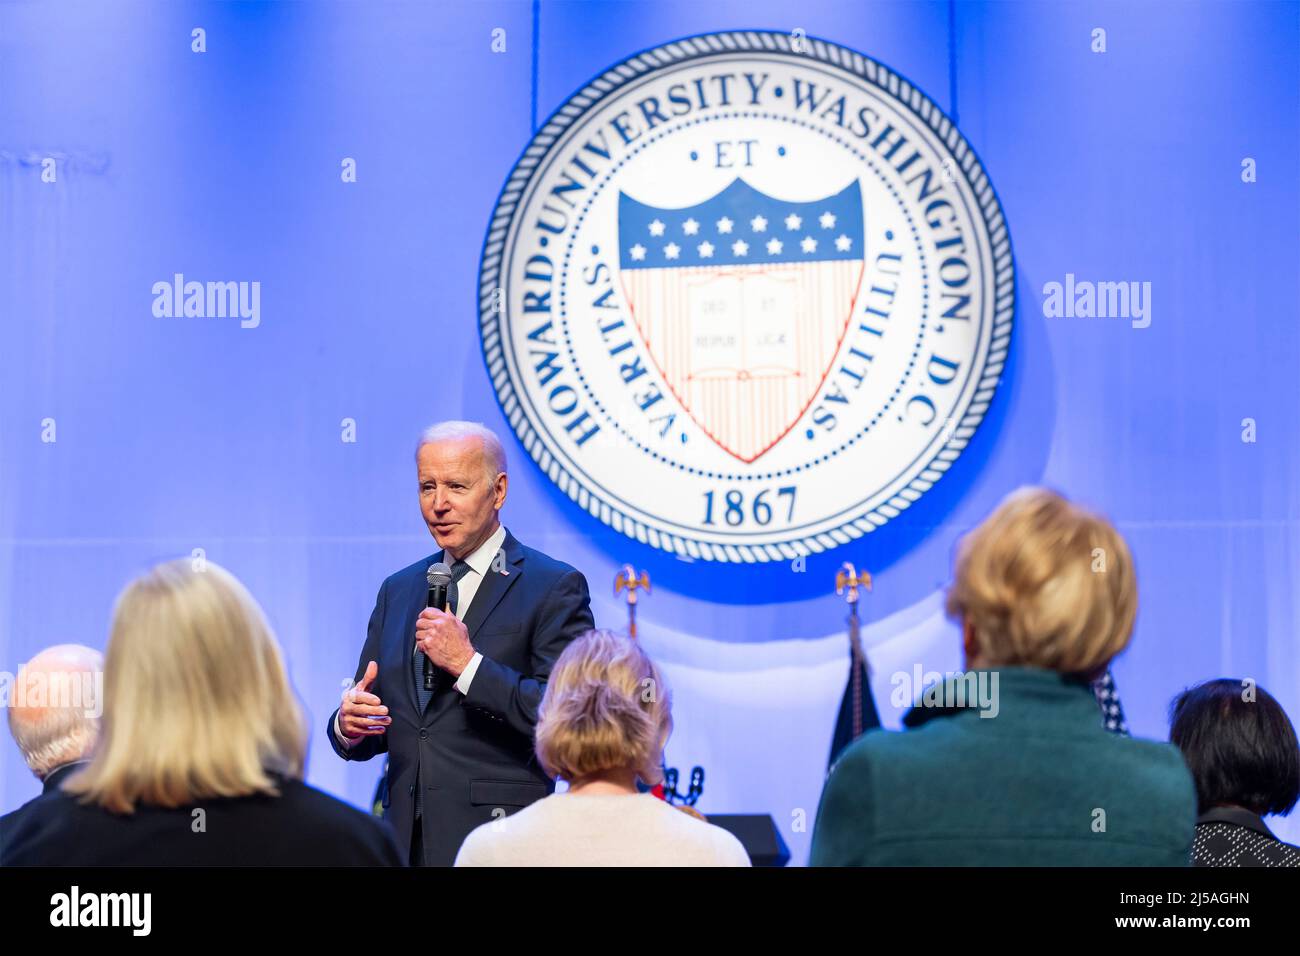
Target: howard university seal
x=746, y=296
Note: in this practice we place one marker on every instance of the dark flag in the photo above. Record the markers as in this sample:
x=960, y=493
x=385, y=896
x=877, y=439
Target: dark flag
x=857, y=711
x=858, y=707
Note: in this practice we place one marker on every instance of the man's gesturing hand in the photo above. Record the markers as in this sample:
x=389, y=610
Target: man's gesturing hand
x=362, y=714
x=445, y=639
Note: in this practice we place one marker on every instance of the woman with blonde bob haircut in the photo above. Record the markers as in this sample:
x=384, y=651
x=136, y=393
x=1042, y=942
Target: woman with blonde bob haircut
x=199, y=714
x=1043, y=583
x=607, y=709
x=602, y=726
x=1009, y=763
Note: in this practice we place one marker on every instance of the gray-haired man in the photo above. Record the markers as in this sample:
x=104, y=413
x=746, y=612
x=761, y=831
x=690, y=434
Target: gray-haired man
x=461, y=754
x=54, y=712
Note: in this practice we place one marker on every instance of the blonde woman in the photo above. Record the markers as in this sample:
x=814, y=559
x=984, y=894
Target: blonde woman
x=1008, y=763
x=200, y=757
x=603, y=723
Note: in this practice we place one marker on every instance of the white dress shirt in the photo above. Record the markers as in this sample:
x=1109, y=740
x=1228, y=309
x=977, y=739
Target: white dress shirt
x=479, y=563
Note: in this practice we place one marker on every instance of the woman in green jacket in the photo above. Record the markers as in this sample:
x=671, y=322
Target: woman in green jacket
x=1007, y=764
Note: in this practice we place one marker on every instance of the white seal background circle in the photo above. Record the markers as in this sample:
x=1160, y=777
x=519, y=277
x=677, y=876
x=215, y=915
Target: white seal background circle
x=678, y=493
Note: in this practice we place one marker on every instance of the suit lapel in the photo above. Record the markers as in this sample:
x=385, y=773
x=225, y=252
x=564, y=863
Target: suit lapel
x=494, y=586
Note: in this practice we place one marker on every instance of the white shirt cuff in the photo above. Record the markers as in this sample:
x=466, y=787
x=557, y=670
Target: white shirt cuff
x=467, y=675
x=338, y=734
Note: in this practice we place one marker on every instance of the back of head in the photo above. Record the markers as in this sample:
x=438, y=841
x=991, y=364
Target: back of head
x=197, y=702
x=606, y=707
x=55, y=706
x=1043, y=583
x=1239, y=745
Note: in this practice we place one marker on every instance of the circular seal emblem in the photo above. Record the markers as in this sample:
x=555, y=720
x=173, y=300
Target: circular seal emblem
x=746, y=296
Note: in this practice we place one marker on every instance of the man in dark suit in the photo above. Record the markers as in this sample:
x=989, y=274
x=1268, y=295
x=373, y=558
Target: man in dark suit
x=54, y=718
x=461, y=755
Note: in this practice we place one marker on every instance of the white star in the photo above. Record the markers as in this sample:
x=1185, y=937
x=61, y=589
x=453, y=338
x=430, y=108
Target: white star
x=739, y=248
x=758, y=224
x=793, y=222
x=690, y=227
x=705, y=249
x=827, y=220
x=656, y=228
x=843, y=243
x=671, y=250
x=809, y=244
x=773, y=247
x=638, y=252
x=724, y=225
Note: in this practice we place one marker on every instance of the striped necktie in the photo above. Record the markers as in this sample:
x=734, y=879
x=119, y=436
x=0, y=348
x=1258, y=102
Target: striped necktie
x=422, y=696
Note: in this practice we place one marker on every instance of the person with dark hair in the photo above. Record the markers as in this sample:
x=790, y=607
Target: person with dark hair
x=1245, y=761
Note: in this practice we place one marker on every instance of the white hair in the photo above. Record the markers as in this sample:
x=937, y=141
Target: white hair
x=494, y=455
x=54, y=717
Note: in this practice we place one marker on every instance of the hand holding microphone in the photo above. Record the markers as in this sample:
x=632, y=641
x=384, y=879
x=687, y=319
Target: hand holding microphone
x=439, y=633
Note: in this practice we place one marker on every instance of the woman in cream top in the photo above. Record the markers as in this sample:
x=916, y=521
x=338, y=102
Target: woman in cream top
x=603, y=723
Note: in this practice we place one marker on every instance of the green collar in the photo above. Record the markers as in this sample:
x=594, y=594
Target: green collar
x=1012, y=695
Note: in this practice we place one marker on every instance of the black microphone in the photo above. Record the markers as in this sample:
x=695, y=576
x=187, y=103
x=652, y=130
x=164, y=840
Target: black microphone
x=439, y=578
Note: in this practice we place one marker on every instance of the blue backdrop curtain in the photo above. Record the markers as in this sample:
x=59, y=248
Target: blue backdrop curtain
x=177, y=435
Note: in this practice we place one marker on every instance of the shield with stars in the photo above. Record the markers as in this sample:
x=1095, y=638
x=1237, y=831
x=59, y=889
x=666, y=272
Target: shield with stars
x=742, y=302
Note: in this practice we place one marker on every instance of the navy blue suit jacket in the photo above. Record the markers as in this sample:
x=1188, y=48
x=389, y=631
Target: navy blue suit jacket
x=9, y=823
x=473, y=753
